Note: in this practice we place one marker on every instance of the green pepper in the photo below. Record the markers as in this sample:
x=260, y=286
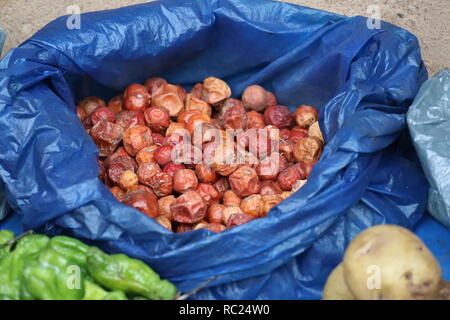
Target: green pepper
x=95, y=292
x=115, y=295
x=5, y=237
x=13, y=263
x=120, y=272
x=53, y=276
x=70, y=247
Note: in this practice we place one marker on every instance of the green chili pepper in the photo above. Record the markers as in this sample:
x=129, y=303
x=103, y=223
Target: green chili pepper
x=95, y=292
x=5, y=236
x=120, y=272
x=13, y=263
x=53, y=276
x=70, y=247
x=115, y=295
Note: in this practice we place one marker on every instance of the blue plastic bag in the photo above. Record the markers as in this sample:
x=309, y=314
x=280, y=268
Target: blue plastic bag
x=428, y=122
x=361, y=80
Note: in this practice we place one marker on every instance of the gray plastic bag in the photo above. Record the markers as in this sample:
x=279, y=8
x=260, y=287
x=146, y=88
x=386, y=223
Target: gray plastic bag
x=429, y=125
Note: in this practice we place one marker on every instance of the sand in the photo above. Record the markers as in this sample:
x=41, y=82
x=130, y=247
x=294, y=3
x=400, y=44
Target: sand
x=429, y=20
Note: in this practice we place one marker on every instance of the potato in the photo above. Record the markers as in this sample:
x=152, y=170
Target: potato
x=389, y=262
x=336, y=288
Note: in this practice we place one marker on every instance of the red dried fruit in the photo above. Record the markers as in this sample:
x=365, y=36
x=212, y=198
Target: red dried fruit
x=306, y=116
x=288, y=177
x=144, y=201
x=298, y=133
x=193, y=103
x=308, y=149
x=153, y=84
x=169, y=97
x=146, y=154
x=215, y=90
x=137, y=138
x=129, y=119
x=184, y=180
x=162, y=220
x=200, y=225
x=136, y=97
x=238, y=219
x=279, y=116
x=285, y=134
x=128, y=179
x=102, y=113
x=116, y=104
x=244, y=181
x=184, y=228
x=269, y=168
x=257, y=98
x=269, y=187
x=189, y=208
x=205, y=173
x=163, y=155
x=215, y=212
x=118, y=193
x=106, y=136
x=158, y=139
x=196, y=90
x=270, y=201
x=157, y=119
x=81, y=113
x=186, y=154
x=164, y=206
x=161, y=183
x=89, y=104
x=208, y=193
x=172, y=168
x=216, y=227
x=229, y=211
x=231, y=199
x=146, y=171
x=221, y=186
x=196, y=120
x=235, y=118
x=255, y=120
x=253, y=205
x=184, y=116
x=286, y=148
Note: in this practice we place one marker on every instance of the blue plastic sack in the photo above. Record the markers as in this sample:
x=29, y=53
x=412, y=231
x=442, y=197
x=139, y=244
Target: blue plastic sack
x=362, y=81
x=429, y=124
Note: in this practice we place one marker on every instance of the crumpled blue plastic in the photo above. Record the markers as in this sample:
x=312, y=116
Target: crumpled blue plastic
x=428, y=122
x=362, y=80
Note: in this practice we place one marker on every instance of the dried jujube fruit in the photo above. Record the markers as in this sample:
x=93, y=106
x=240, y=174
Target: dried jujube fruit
x=136, y=97
x=184, y=180
x=189, y=208
x=308, y=149
x=144, y=201
x=305, y=116
x=279, y=116
x=244, y=181
x=136, y=138
x=215, y=90
x=106, y=136
x=157, y=118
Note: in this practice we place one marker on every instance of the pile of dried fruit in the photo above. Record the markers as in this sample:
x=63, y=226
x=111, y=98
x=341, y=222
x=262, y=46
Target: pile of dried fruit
x=201, y=159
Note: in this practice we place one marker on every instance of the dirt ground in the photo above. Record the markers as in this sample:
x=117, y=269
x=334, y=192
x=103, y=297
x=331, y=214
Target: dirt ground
x=429, y=20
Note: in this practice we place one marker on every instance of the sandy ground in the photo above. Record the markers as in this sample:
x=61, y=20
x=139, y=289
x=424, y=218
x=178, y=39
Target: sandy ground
x=429, y=20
